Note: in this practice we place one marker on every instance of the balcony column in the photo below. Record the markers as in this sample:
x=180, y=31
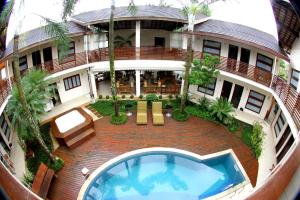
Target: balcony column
x=137, y=39
x=86, y=46
x=93, y=85
x=137, y=83
x=8, y=75
x=181, y=88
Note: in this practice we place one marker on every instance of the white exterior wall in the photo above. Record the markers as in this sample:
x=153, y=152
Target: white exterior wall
x=75, y=92
x=244, y=97
x=97, y=41
x=295, y=55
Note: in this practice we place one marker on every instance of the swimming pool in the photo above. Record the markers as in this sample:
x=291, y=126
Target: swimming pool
x=164, y=175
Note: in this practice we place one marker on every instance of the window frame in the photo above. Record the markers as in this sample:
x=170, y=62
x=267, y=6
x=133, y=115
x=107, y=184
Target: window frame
x=207, y=88
x=255, y=98
x=23, y=63
x=70, y=56
x=70, y=80
x=294, y=78
x=212, y=47
x=264, y=62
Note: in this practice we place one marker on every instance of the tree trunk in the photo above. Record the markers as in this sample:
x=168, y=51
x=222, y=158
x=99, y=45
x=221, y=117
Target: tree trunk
x=188, y=64
x=17, y=76
x=112, y=59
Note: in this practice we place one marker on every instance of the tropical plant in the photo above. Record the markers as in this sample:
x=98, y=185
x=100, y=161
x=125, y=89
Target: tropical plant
x=28, y=117
x=180, y=116
x=222, y=110
x=124, y=41
x=190, y=10
x=150, y=98
x=36, y=94
x=204, y=103
x=204, y=71
x=256, y=139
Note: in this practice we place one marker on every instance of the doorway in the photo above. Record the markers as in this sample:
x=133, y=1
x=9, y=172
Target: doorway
x=232, y=55
x=159, y=42
x=237, y=94
x=226, y=89
x=47, y=55
x=36, y=59
x=244, y=60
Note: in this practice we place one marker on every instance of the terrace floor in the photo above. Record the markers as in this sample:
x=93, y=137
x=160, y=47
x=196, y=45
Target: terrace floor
x=195, y=135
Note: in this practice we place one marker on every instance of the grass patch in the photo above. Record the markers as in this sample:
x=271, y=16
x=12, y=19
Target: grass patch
x=103, y=107
x=246, y=134
x=121, y=119
x=178, y=116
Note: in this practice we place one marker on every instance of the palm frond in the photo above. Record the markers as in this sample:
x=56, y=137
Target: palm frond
x=5, y=14
x=59, y=32
x=68, y=8
x=132, y=8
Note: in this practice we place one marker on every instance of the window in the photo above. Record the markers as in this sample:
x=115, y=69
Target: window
x=70, y=53
x=255, y=101
x=23, y=63
x=264, y=62
x=294, y=79
x=209, y=89
x=4, y=126
x=212, y=47
x=279, y=124
x=72, y=82
x=36, y=58
x=159, y=42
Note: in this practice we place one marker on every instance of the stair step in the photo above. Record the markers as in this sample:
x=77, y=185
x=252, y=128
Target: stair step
x=81, y=138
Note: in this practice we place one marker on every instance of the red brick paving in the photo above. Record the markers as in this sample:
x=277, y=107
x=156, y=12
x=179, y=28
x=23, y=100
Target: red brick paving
x=195, y=135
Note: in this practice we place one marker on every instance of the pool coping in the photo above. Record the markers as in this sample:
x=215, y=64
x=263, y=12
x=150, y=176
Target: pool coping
x=107, y=164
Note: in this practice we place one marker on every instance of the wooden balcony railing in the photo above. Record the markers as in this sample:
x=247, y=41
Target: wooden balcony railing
x=4, y=90
x=289, y=97
x=242, y=69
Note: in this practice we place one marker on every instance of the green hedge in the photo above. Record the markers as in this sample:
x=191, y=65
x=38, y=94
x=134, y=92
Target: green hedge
x=121, y=119
x=178, y=116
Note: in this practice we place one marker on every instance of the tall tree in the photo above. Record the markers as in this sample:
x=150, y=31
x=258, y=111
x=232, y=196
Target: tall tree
x=28, y=115
x=190, y=11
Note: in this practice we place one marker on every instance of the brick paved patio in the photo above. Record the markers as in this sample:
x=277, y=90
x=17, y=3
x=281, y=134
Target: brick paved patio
x=195, y=135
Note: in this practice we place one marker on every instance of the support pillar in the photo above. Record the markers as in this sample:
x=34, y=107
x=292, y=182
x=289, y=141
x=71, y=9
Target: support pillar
x=137, y=38
x=93, y=85
x=138, y=82
x=181, y=88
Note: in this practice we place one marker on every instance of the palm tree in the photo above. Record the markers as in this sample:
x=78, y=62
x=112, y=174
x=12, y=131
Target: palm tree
x=28, y=116
x=37, y=94
x=190, y=11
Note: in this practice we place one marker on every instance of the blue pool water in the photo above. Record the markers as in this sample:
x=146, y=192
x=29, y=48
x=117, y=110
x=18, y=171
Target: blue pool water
x=153, y=176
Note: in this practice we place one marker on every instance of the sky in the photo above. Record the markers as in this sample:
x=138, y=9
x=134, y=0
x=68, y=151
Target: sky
x=254, y=13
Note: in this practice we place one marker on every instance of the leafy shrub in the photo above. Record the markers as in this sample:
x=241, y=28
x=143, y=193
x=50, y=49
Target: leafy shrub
x=150, y=98
x=131, y=96
x=204, y=103
x=104, y=107
x=57, y=165
x=107, y=97
x=170, y=96
x=178, y=116
x=246, y=134
x=196, y=111
x=160, y=96
x=100, y=96
x=128, y=104
x=141, y=96
x=121, y=119
x=233, y=125
x=123, y=96
x=170, y=103
x=27, y=179
x=256, y=139
x=221, y=111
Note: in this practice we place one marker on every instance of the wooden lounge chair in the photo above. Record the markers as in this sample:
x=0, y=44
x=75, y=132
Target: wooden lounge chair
x=141, y=115
x=158, y=117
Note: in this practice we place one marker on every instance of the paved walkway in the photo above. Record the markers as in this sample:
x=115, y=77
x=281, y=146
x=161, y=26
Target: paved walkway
x=196, y=135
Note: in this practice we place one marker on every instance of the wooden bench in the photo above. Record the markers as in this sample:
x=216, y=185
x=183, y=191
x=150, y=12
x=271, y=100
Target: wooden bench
x=42, y=180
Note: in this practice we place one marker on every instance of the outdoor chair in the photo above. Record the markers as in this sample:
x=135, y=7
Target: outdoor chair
x=141, y=115
x=158, y=117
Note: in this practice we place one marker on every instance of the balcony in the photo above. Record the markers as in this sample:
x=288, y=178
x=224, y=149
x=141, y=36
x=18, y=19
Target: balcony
x=289, y=97
x=4, y=90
